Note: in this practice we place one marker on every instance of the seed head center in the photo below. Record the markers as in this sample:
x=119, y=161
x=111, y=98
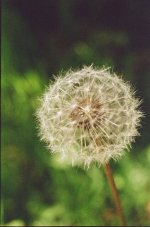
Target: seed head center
x=87, y=113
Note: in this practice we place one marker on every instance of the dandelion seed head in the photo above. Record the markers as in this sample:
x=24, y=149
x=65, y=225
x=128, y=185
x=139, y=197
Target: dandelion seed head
x=88, y=116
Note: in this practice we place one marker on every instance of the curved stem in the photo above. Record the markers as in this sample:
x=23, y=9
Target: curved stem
x=115, y=194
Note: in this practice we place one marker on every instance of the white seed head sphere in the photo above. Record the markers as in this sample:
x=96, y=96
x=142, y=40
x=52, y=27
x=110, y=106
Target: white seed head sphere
x=90, y=115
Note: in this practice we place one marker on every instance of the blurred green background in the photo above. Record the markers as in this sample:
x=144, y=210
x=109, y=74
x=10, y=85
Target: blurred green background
x=40, y=38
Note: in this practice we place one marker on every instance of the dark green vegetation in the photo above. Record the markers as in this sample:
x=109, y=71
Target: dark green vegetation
x=39, y=39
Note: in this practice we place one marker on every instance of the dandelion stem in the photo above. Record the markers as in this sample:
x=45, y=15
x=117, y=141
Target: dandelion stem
x=115, y=194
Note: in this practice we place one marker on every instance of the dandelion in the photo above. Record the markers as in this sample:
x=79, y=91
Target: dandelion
x=90, y=116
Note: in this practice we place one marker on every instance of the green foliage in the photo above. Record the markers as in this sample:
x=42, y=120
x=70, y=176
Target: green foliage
x=37, y=188
x=16, y=222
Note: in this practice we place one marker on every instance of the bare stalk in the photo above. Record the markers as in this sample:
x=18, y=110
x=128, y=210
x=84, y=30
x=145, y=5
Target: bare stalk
x=115, y=194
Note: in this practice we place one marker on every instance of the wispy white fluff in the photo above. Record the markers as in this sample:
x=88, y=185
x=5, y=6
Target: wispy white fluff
x=90, y=115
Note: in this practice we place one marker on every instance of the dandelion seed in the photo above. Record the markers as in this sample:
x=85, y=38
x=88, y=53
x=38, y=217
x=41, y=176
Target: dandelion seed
x=93, y=114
